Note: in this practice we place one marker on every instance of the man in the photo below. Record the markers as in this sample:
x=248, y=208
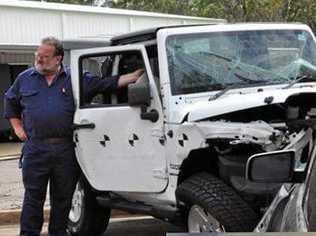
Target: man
x=40, y=108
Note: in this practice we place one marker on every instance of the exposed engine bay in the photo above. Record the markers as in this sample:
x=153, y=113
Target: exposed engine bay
x=237, y=135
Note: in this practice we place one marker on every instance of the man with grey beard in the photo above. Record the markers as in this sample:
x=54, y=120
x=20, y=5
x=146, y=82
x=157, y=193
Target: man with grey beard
x=40, y=107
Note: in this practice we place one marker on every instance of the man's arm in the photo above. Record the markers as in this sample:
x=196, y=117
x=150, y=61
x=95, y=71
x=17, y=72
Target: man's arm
x=126, y=79
x=13, y=110
x=93, y=85
x=17, y=126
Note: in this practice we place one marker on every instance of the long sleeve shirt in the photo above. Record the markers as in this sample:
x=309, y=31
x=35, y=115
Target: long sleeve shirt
x=47, y=110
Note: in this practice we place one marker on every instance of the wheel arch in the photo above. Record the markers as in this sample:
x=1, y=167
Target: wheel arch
x=198, y=160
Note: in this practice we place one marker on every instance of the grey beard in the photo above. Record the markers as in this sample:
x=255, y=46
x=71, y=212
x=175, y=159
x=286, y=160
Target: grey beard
x=46, y=72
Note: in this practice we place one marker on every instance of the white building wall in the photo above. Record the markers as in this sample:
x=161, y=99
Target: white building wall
x=21, y=26
x=91, y=25
x=26, y=22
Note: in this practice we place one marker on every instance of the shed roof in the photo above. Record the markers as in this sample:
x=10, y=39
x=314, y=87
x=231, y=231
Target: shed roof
x=26, y=22
x=93, y=9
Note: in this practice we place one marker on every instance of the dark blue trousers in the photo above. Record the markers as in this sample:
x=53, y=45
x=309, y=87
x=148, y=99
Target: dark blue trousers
x=43, y=163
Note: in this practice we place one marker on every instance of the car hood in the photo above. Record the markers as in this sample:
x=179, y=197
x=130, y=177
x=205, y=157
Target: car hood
x=232, y=102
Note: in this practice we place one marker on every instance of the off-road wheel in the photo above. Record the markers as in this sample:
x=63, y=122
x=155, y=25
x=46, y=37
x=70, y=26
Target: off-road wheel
x=86, y=217
x=210, y=205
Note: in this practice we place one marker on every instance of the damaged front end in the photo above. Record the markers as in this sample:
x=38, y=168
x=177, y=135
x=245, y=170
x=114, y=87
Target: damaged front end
x=238, y=135
x=239, y=93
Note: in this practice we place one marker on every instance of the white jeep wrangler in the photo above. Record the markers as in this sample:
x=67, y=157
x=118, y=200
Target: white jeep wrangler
x=175, y=144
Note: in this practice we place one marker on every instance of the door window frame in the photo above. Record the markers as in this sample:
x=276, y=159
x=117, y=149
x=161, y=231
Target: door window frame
x=99, y=54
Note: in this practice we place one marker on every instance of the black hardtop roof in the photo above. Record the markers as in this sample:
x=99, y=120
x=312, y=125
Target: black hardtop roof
x=145, y=35
x=151, y=34
x=70, y=44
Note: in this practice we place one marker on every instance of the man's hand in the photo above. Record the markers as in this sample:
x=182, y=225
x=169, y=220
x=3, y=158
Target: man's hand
x=126, y=79
x=21, y=134
x=18, y=128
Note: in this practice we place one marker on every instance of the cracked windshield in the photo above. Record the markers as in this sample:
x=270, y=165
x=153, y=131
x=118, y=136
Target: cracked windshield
x=221, y=60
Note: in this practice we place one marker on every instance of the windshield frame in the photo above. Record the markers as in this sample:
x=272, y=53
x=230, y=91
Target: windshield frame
x=303, y=29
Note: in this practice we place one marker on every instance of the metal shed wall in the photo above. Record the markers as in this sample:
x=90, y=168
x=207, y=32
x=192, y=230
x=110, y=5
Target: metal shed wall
x=16, y=58
x=26, y=22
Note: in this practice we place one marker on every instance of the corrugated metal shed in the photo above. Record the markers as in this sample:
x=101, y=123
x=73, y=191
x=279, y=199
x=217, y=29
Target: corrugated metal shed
x=26, y=22
x=16, y=58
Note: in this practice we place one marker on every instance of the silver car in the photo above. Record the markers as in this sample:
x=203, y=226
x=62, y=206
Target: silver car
x=294, y=207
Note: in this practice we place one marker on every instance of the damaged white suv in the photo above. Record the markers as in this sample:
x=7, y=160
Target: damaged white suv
x=175, y=144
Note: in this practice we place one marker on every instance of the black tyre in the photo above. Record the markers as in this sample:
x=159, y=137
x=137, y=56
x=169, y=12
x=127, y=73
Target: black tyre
x=86, y=217
x=212, y=206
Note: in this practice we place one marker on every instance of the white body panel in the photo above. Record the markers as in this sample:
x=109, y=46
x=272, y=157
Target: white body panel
x=118, y=165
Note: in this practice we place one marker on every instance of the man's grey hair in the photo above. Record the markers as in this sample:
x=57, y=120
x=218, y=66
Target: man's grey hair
x=56, y=43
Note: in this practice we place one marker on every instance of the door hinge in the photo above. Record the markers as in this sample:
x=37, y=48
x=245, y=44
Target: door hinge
x=160, y=173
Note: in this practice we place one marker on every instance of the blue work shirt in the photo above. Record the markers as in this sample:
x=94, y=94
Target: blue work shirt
x=47, y=110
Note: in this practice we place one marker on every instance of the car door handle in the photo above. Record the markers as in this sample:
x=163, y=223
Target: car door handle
x=83, y=126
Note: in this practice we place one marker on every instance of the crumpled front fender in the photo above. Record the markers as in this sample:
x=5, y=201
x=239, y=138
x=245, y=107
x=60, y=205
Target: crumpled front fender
x=194, y=135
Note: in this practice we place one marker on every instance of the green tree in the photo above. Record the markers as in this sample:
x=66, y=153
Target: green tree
x=181, y=7
x=232, y=10
x=302, y=11
x=81, y=2
x=258, y=10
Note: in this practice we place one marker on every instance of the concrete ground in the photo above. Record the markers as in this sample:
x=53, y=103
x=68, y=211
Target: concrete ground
x=139, y=226
x=10, y=149
x=11, y=187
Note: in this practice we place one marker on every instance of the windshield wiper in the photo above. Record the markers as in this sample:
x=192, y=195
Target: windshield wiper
x=220, y=93
x=225, y=90
x=298, y=79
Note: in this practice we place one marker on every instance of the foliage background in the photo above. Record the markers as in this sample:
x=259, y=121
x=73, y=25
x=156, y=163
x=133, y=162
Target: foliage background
x=232, y=10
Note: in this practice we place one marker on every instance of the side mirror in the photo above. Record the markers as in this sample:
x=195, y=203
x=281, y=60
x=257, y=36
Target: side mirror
x=139, y=92
x=271, y=167
x=139, y=95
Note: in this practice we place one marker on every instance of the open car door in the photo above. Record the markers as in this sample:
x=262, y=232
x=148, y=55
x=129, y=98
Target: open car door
x=116, y=149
